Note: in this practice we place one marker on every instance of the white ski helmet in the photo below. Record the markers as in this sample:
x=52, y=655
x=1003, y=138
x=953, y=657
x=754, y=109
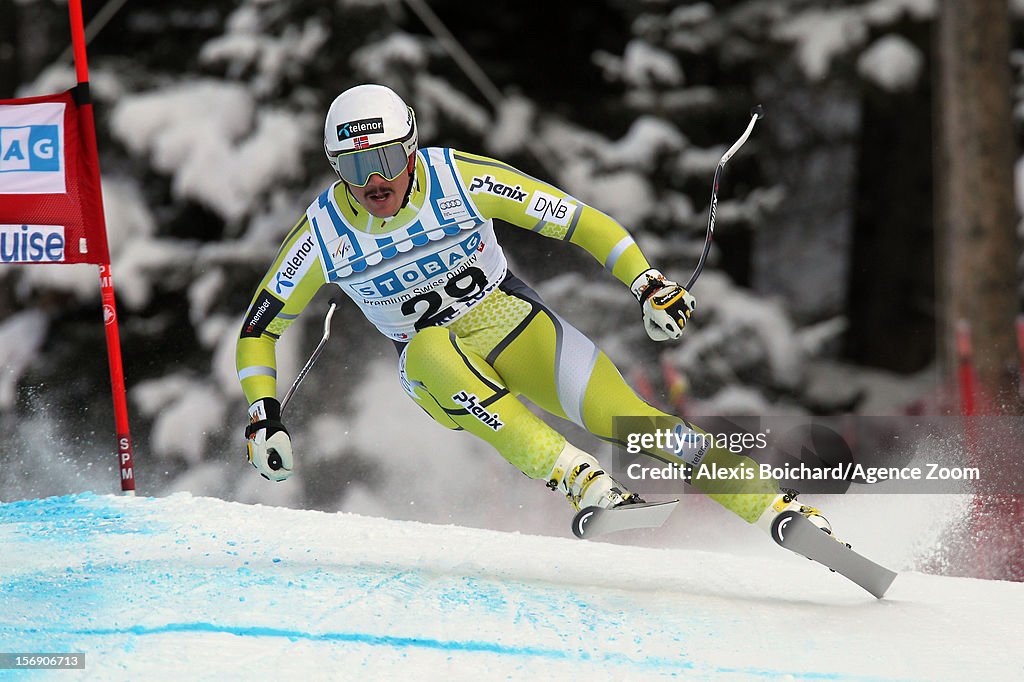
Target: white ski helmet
x=369, y=129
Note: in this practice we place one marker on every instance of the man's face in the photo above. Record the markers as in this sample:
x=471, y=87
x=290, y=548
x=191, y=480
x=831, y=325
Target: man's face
x=382, y=198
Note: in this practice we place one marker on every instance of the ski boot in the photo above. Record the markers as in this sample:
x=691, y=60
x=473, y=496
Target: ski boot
x=786, y=501
x=584, y=483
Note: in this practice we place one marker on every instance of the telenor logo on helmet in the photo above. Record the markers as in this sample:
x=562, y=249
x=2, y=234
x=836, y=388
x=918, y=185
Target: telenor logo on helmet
x=364, y=126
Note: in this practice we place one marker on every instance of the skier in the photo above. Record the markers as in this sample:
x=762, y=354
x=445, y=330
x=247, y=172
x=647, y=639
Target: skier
x=406, y=233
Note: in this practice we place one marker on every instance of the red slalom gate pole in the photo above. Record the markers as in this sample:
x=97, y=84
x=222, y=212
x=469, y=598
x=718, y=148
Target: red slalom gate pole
x=965, y=369
x=88, y=131
x=676, y=385
x=1020, y=354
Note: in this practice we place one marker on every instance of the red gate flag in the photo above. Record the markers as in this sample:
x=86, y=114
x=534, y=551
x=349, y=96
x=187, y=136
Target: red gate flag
x=51, y=204
x=50, y=208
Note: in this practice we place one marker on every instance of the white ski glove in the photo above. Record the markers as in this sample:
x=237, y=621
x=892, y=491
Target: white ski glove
x=666, y=305
x=268, y=442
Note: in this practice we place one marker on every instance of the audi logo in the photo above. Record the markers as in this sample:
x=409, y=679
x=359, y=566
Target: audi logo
x=449, y=203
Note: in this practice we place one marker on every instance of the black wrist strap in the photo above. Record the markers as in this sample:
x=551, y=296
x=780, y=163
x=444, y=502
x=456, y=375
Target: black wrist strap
x=653, y=286
x=271, y=425
x=647, y=293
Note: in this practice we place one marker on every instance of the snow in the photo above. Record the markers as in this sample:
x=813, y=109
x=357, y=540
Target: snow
x=198, y=588
x=221, y=152
x=820, y=35
x=1018, y=184
x=202, y=408
x=272, y=154
x=21, y=336
x=700, y=162
x=267, y=59
x=436, y=99
x=512, y=128
x=612, y=175
x=892, y=62
x=126, y=213
x=816, y=338
x=104, y=84
x=754, y=328
x=142, y=263
x=149, y=397
x=221, y=334
x=176, y=400
x=641, y=65
x=376, y=61
x=882, y=12
x=78, y=281
x=241, y=42
x=176, y=122
x=413, y=481
x=690, y=15
x=647, y=138
x=203, y=293
x=625, y=195
x=736, y=401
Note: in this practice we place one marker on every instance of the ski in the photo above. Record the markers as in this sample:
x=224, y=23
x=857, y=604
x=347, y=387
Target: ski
x=593, y=521
x=794, y=532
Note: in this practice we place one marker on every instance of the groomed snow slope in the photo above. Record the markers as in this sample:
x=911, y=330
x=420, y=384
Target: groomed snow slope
x=201, y=589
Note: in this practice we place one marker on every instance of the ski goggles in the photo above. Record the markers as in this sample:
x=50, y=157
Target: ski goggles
x=357, y=167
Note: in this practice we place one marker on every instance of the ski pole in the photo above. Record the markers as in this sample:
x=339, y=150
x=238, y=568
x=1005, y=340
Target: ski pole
x=312, y=358
x=755, y=113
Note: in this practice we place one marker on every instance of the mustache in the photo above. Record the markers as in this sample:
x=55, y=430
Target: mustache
x=378, y=192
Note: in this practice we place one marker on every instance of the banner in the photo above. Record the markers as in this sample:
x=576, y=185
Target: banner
x=50, y=206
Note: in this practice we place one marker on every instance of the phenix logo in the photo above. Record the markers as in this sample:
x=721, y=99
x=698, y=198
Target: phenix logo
x=472, y=405
x=487, y=184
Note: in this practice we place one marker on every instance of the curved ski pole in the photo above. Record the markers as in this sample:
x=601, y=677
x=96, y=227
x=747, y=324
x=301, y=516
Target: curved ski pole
x=755, y=113
x=312, y=358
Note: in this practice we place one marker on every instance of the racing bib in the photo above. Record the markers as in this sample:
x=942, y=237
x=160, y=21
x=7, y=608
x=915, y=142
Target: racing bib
x=427, y=273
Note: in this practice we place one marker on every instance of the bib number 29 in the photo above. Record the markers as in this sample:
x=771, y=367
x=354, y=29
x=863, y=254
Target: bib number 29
x=427, y=305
